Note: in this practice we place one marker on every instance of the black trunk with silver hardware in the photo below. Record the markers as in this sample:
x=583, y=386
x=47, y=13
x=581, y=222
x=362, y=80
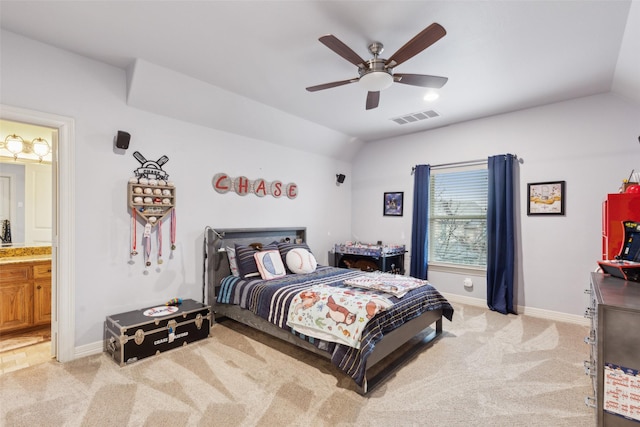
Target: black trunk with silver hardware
x=137, y=334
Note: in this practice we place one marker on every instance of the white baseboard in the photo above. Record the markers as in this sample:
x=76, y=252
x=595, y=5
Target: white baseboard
x=527, y=311
x=461, y=299
x=88, y=350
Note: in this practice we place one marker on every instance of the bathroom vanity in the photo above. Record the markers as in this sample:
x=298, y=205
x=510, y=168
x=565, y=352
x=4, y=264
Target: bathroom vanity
x=25, y=290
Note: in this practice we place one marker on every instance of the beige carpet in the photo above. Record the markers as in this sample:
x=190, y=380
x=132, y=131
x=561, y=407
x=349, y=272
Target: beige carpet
x=485, y=370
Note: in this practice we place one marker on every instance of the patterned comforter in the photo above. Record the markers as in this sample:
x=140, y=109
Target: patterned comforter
x=337, y=314
x=271, y=299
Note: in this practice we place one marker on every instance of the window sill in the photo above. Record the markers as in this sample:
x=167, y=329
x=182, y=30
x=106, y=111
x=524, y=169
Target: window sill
x=456, y=268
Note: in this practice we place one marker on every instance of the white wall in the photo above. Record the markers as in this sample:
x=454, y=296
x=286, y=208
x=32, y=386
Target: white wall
x=38, y=77
x=591, y=143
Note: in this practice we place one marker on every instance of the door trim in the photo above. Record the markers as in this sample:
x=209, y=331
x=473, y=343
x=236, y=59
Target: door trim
x=63, y=238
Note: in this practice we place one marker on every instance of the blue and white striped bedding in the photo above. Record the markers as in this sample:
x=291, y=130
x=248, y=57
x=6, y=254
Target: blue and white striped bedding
x=270, y=299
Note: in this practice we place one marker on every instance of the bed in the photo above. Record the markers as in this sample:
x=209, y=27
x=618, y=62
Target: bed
x=411, y=323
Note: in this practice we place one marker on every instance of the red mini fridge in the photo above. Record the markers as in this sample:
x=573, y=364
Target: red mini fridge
x=616, y=209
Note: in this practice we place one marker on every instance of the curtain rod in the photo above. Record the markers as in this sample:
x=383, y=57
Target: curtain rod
x=454, y=164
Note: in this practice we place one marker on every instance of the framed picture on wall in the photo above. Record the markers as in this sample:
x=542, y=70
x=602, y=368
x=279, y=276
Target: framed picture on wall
x=393, y=203
x=546, y=198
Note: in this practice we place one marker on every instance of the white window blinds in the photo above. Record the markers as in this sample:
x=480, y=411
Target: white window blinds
x=458, y=216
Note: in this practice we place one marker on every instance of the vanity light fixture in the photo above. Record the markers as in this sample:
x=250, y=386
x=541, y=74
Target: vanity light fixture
x=40, y=147
x=16, y=145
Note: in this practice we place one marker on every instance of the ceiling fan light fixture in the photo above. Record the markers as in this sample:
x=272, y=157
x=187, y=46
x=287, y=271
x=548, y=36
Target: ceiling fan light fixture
x=376, y=81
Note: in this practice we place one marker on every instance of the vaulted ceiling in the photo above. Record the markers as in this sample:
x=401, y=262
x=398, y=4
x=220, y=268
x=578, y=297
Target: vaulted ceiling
x=498, y=56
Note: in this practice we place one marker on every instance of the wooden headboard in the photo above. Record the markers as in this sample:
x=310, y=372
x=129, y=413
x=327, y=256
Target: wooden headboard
x=217, y=239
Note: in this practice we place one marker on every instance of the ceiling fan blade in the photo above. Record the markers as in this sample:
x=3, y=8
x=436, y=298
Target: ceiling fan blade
x=423, y=40
x=422, y=80
x=333, y=43
x=330, y=85
x=373, y=99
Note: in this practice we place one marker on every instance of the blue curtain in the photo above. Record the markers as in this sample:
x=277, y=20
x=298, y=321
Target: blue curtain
x=501, y=233
x=420, y=226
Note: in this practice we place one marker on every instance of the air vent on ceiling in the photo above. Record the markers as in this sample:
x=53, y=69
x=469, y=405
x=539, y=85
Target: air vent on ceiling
x=416, y=117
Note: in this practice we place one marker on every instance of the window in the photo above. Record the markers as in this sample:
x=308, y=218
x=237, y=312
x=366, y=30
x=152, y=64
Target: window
x=458, y=216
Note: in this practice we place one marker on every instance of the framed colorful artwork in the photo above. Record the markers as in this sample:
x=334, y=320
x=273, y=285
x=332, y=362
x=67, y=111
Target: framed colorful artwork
x=393, y=203
x=546, y=198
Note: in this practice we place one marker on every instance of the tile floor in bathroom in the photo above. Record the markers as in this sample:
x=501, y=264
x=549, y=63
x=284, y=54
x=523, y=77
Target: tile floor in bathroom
x=22, y=350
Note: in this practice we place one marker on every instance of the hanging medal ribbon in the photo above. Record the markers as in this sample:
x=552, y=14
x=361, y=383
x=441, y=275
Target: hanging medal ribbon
x=133, y=232
x=147, y=244
x=160, y=241
x=173, y=229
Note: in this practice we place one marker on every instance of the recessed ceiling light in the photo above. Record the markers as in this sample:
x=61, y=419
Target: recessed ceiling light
x=431, y=96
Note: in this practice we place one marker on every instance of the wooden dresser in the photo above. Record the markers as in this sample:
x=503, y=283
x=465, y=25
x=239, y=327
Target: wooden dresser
x=614, y=342
x=25, y=294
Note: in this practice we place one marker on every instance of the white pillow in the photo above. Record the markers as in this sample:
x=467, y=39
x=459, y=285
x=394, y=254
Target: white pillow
x=270, y=264
x=233, y=264
x=301, y=261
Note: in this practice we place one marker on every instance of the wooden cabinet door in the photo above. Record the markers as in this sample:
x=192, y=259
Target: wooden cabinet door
x=42, y=293
x=42, y=302
x=16, y=297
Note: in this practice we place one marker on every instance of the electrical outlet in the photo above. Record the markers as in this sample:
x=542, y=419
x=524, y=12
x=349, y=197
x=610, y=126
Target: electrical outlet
x=468, y=283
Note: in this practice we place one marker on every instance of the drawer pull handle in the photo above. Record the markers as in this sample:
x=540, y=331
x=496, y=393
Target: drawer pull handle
x=588, y=368
x=39, y=287
x=590, y=402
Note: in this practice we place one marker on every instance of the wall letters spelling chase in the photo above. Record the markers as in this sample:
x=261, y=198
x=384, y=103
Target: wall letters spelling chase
x=242, y=185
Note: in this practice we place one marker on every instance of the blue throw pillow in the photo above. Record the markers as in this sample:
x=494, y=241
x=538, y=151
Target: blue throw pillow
x=247, y=266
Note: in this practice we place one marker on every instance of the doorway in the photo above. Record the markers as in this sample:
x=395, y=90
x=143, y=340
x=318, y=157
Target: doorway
x=27, y=222
x=27, y=229
x=63, y=229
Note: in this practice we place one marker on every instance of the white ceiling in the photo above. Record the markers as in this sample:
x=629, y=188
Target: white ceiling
x=499, y=56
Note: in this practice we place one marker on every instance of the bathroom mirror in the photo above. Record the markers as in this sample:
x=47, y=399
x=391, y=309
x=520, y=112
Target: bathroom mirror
x=26, y=187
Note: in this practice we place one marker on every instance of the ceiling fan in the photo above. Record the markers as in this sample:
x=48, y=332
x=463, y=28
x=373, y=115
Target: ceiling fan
x=377, y=74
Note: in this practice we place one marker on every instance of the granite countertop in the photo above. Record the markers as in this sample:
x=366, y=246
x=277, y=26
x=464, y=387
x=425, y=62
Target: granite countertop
x=12, y=255
x=24, y=258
